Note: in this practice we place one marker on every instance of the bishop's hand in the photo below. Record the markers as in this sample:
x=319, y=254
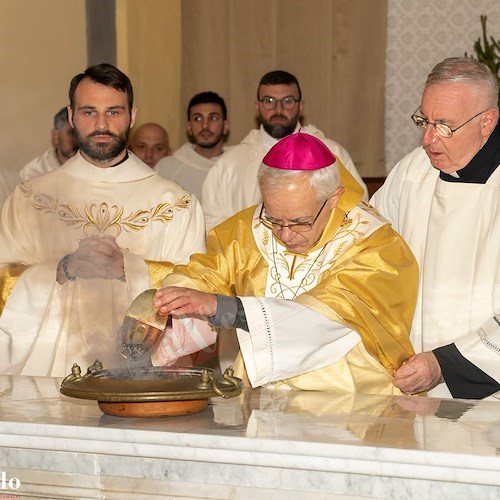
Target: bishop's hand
x=178, y=301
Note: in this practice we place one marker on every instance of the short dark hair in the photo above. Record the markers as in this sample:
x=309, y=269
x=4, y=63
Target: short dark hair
x=207, y=98
x=279, y=77
x=105, y=74
x=61, y=118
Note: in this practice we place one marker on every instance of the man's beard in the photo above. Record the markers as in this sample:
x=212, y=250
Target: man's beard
x=279, y=130
x=207, y=145
x=102, y=151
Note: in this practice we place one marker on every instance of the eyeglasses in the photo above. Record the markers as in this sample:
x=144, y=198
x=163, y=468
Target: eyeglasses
x=442, y=129
x=298, y=227
x=269, y=103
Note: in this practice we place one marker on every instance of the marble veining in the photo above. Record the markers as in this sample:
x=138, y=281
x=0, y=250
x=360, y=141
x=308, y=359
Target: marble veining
x=335, y=446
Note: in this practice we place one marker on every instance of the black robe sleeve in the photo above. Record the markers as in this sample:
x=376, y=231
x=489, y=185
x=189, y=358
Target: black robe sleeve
x=464, y=379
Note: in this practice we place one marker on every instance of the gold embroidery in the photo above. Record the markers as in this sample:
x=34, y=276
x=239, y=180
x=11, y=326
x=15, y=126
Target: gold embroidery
x=44, y=203
x=265, y=239
x=25, y=187
x=137, y=220
x=103, y=218
x=165, y=211
x=285, y=273
x=287, y=287
x=291, y=276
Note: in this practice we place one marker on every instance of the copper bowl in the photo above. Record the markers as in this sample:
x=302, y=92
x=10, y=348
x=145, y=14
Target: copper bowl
x=150, y=391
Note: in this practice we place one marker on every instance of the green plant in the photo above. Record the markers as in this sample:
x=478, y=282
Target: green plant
x=487, y=50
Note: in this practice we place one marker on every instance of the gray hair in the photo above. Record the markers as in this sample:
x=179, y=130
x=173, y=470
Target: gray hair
x=324, y=180
x=61, y=118
x=467, y=70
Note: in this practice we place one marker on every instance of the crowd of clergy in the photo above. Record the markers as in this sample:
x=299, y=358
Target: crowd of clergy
x=267, y=255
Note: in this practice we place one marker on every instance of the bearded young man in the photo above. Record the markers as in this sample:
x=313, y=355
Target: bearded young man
x=207, y=127
x=82, y=236
x=231, y=185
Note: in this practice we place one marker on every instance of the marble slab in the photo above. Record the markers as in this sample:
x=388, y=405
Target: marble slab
x=282, y=444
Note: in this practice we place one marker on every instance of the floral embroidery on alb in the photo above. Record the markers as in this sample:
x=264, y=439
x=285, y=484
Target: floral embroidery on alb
x=101, y=217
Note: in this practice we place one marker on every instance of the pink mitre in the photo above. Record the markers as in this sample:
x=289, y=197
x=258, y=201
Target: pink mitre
x=299, y=151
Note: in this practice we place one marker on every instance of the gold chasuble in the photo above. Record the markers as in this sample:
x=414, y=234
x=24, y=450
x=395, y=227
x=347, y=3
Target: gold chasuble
x=360, y=275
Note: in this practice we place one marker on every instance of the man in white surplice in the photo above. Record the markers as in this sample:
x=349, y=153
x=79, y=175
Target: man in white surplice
x=63, y=147
x=207, y=128
x=231, y=184
x=444, y=199
x=79, y=239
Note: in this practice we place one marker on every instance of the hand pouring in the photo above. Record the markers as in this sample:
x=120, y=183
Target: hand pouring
x=142, y=327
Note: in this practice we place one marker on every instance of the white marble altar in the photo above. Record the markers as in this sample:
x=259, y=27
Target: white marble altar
x=293, y=445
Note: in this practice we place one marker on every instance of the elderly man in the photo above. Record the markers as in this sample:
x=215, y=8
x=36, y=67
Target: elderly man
x=63, y=147
x=80, y=237
x=231, y=185
x=320, y=288
x=150, y=143
x=207, y=128
x=444, y=199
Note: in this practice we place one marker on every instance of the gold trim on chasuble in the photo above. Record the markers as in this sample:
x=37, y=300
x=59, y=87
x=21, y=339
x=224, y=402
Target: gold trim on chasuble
x=102, y=217
x=158, y=271
x=290, y=274
x=9, y=274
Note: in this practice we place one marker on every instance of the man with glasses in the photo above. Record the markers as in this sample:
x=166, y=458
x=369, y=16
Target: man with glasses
x=231, y=184
x=444, y=199
x=320, y=288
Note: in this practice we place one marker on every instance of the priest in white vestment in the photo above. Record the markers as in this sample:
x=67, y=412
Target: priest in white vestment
x=444, y=199
x=63, y=147
x=75, y=242
x=231, y=184
x=207, y=128
x=320, y=288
